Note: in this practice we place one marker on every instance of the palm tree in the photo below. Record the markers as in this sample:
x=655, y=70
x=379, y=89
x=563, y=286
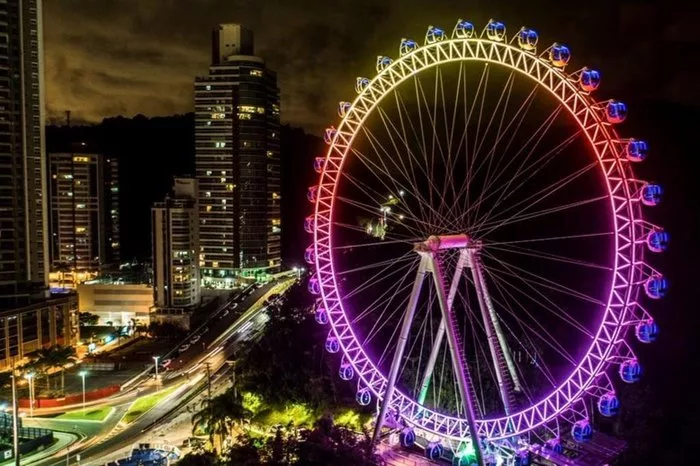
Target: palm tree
x=218, y=416
x=63, y=355
x=55, y=357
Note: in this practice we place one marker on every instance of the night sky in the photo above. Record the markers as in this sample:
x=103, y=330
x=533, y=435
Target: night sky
x=124, y=57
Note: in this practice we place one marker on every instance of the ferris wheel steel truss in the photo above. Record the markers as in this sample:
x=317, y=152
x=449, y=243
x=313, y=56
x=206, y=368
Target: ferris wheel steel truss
x=629, y=274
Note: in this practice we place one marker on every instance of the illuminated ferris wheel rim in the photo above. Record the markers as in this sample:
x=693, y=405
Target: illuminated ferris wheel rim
x=628, y=269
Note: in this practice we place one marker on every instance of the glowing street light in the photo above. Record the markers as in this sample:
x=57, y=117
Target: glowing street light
x=83, y=374
x=156, y=358
x=30, y=380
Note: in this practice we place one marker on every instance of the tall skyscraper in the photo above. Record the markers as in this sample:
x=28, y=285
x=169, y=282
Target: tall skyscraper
x=23, y=209
x=84, y=200
x=175, y=226
x=29, y=318
x=237, y=118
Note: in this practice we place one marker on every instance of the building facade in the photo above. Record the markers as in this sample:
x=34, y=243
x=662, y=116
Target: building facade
x=23, y=205
x=116, y=302
x=175, y=227
x=84, y=226
x=237, y=118
x=40, y=324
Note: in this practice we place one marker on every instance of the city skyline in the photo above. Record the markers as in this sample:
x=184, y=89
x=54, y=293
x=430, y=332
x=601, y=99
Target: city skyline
x=154, y=44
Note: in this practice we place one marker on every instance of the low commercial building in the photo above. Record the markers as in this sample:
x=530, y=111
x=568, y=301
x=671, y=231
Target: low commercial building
x=40, y=324
x=115, y=302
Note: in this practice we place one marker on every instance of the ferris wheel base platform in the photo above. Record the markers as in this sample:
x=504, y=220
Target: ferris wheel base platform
x=399, y=457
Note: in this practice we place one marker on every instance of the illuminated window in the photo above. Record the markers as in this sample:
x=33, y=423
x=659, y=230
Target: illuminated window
x=208, y=87
x=215, y=264
x=276, y=229
x=223, y=172
x=275, y=109
x=79, y=158
x=223, y=201
x=77, y=182
x=223, y=179
x=219, y=144
x=229, y=187
x=218, y=116
x=275, y=196
x=257, y=73
x=270, y=153
x=80, y=229
x=69, y=194
x=276, y=221
x=80, y=206
x=245, y=116
x=68, y=177
x=207, y=194
x=208, y=172
x=208, y=208
x=114, y=189
x=115, y=245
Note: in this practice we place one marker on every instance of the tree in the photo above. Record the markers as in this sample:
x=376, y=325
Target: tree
x=244, y=453
x=197, y=459
x=218, y=417
x=328, y=443
x=88, y=319
x=63, y=355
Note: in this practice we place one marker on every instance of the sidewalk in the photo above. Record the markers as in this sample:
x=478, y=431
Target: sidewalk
x=64, y=440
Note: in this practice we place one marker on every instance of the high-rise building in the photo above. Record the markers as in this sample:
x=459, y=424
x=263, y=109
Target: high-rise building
x=23, y=212
x=29, y=318
x=175, y=226
x=237, y=119
x=84, y=199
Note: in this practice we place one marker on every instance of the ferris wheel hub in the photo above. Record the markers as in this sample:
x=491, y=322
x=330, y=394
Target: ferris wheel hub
x=440, y=242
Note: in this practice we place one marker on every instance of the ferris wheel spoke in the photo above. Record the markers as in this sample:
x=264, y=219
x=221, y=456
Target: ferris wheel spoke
x=548, y=256
x=505, y=304
x=538, y=165
x=402, y=217
x=517, y=120
x=376, y=169
x=405, y=118
x=453, y=156
x=395, y=237
x=391, y=130
x=384, y=274
x=551, y=306
x=536, y=198
x=487, y=160
x=536, y=136
x=472, y=158
x=550, y=238
x=543, y=212
x=546, y=336
x=382, y=301
x=544, y=282
x=431, y=116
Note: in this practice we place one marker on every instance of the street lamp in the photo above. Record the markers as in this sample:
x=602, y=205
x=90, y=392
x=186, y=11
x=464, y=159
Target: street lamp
x=30, y=380
x=83, y=374
x=156, y=358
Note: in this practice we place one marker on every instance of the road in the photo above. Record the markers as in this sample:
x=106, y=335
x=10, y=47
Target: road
x=214, y=349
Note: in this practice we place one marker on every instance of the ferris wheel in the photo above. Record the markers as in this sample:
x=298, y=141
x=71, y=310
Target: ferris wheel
x=478, y=246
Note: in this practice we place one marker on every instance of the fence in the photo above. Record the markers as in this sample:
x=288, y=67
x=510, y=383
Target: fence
x=71, y=399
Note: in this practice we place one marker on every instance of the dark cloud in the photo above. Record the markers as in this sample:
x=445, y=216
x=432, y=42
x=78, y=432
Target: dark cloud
x=111, y=57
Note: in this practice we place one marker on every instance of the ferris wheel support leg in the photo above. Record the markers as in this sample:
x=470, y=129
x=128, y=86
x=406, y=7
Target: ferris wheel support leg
x=496, y=339
x=440, y=335
x=459, y=363
x=401, y=345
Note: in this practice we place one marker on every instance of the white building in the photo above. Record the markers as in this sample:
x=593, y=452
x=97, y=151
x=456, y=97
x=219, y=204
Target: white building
x=175, y=226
